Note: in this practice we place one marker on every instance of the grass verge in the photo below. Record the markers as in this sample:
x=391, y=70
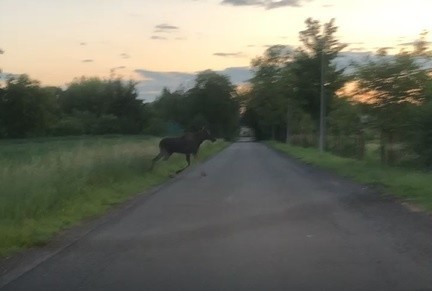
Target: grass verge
x=49, y=185
x=412, y=186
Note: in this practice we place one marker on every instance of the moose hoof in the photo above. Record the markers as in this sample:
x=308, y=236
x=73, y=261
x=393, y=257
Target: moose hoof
x=171, y=175
x=203, y=174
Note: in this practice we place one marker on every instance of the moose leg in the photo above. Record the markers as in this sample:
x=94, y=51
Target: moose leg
x=188, y=160
x=203, y=173
x=188, y=164
x=167, y=155
x=155, y=159
x=162, y=154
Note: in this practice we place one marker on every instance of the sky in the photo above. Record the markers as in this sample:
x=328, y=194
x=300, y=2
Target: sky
x=166, y=42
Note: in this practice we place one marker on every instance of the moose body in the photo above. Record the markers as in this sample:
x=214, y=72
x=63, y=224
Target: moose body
x=188, y=144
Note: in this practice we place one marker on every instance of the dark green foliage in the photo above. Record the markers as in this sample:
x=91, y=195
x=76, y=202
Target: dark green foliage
x=391, y=110
x=26, y=109
x=344, y=117
x=211, y=102
x=421, y=133
x=319, y=48
x=104, y=106
x=285, y=95
x=87, y=106
x=398, y=87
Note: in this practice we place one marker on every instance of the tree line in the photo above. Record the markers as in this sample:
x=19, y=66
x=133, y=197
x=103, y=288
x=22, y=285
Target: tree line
x=386, y=99
x=111, y=106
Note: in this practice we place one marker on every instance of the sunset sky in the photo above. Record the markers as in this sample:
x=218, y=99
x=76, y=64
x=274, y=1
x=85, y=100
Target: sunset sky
x=165, y=42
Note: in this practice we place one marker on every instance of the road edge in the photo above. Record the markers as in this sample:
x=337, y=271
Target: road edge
x=376, y=189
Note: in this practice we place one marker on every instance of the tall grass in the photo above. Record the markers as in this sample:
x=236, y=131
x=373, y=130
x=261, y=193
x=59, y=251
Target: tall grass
x=411, y=185
x=46, y=185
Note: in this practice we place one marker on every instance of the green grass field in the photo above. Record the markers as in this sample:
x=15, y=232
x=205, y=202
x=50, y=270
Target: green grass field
x=411, y=185
x=50, y=184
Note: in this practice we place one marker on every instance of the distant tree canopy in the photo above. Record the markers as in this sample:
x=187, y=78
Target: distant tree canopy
x=284, y=100
x=398, y=89
x=87, y=106
x=285, y=89
x=25, y=107
x=104, y=106
x=211, y=102
x=97, y=106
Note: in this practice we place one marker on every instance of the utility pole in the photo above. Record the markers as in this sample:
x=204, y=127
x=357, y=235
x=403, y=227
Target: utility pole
x=322, y=105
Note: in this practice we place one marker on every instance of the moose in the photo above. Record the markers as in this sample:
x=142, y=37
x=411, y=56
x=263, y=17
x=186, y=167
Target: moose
x=187, y=144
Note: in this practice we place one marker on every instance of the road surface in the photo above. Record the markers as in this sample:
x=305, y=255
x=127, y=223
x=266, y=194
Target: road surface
x=257, y=221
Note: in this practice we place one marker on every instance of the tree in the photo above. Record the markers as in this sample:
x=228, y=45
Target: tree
x=267, y=106
x=85, y=95
x=26, y=109
x=123, y=103
x=171, y=107
x=211, y=102
x=392, y=85
x=104, y=106
x=319, y=44
x=285, y=96
x=345, y=131
x=214, y=99
x=420, y=128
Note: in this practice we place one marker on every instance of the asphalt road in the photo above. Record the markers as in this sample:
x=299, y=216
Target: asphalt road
x=257, y=221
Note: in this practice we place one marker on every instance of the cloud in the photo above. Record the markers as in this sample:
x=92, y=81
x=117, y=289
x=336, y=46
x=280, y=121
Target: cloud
x=83, y=43
x=267, y=4
x=153, y=82
x=157, y=37
x=87, y=61
x=5, y=76
x=356, y=49
x=347, y=58
x=230, y=55
x=166, y=28
x=237, y=75
x=411, y=43
x=266, y=46
x=125, y=56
